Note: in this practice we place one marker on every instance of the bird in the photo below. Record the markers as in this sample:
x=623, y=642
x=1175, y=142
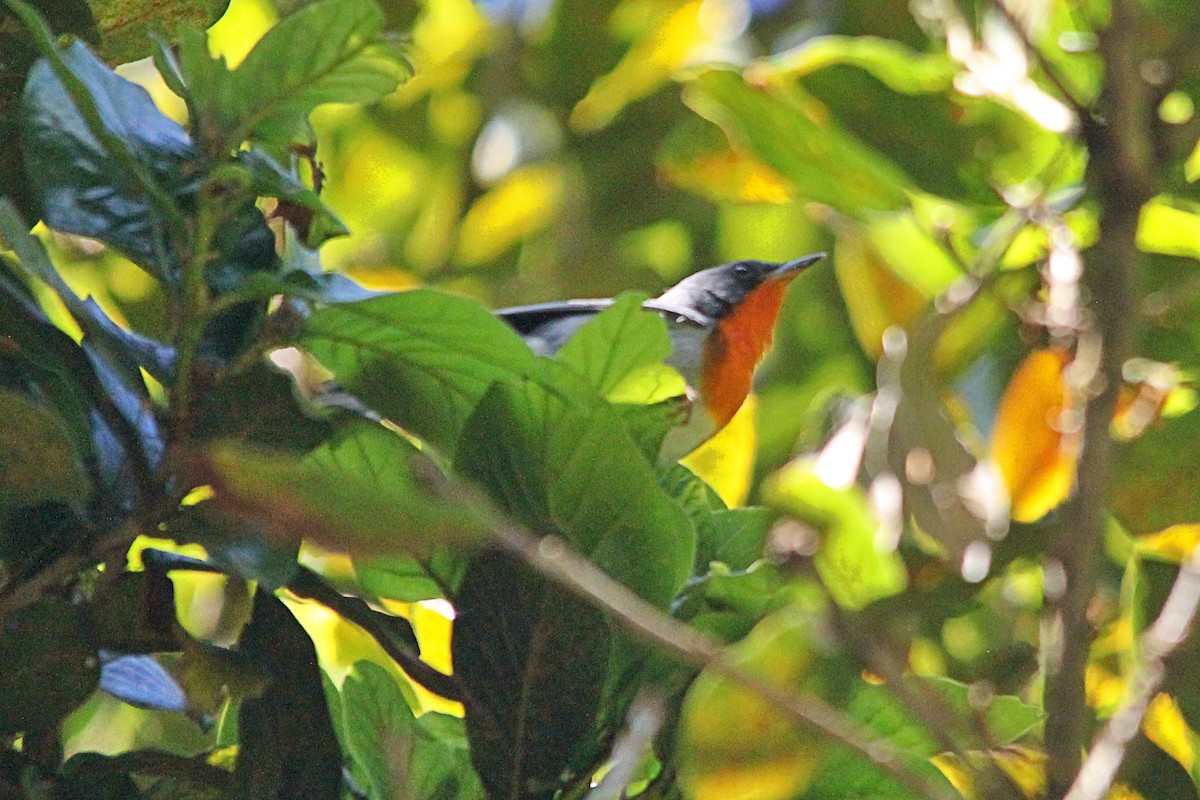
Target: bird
x=721, y=322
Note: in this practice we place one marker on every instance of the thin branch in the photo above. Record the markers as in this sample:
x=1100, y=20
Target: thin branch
x=310, y=586
x=1120, y=175
x=1169, y=630
x=1067, y=94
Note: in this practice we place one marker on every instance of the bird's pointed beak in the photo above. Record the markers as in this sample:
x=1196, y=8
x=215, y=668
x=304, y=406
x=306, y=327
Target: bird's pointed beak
x=791, y=268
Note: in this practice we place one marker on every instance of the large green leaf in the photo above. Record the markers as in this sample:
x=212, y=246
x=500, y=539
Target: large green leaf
x=562, y=461
x=329, y=51
x=125, y=25
x=399, y=754
x=533, y=659
x=422, y=359
x=615, y=343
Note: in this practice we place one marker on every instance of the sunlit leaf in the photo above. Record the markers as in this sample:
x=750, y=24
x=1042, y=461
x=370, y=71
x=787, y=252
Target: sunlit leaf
x=852, y=565
x=663, y=47
x=726, y=461
x=329, y=51
x=1165, y=726
x=1171, y=227
x=875, y=296
x=1174, y=544
x=697, y=157
x=902, y=69
x=1030, y=444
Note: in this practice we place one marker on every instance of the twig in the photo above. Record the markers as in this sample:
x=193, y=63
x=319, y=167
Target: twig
x=1120, y=173
x=1169, y=630
x=308, y=585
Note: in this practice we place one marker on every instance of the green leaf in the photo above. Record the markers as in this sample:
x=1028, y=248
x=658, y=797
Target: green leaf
x=825, y=163
x=562, y=461
x=363, y=491
x=331, y=51
x=1007, y=718
x=422, y=359
x=287, y=745
x=853, y=569
x=396, y=578
x=48, y=667
x=901, y=68
x=734, y=743
x=37, y=460
x=735, y=537
x=398, y=754
x=612, y=345
x=533, y=659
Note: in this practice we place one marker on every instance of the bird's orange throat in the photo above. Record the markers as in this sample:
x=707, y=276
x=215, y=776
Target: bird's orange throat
x=733, y=351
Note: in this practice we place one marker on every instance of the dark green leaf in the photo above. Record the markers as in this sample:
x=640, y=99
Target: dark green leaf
x=48, y=666
x=84, y=186
x=163, y=776
x=398, y=754
x=134, y=612
x=533, y=659
x=259, y=406
x=422, y=359
x=288, y=749
x=298, y=204
x=37, y=460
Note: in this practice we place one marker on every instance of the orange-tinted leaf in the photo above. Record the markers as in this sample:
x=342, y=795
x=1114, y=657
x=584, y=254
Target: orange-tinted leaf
x=1035, y=455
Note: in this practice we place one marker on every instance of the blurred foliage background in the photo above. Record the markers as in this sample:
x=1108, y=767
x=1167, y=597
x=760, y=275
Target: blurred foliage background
x=930, y=378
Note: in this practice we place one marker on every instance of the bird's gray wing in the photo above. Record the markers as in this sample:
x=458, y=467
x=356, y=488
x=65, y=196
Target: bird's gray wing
x=546, y=326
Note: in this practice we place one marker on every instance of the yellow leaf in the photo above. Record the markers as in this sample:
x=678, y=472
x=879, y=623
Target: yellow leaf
x=648, y=65
x=1165, y=726
x=875, y=296
x=525, y=202
x=731, y=174
x=1033, y=452
x=726, y=461
x=733, y=744
x=1025, y=766
x=1172, y=544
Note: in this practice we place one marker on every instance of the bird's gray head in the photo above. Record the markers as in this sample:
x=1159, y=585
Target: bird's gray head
x=709, y=295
